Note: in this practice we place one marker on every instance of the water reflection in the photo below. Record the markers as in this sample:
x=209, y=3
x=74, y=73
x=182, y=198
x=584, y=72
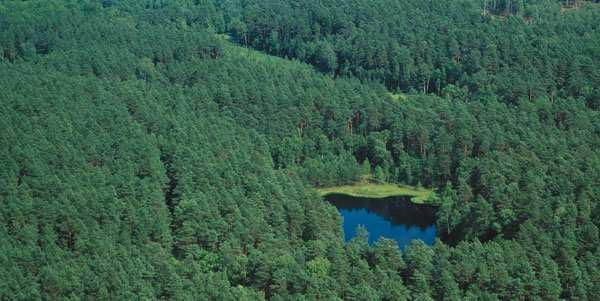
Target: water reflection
x=394, y=217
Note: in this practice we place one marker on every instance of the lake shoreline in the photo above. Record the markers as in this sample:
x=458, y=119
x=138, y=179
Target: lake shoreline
x=375, y=191
x=395, y=218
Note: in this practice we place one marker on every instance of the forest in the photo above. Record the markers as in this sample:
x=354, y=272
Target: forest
x=171, y=150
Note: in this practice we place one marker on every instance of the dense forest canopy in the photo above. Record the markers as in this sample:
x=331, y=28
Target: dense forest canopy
x=441, y=47
x=157, y=150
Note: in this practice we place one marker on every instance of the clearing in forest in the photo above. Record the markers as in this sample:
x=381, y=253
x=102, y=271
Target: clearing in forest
x=382, y=190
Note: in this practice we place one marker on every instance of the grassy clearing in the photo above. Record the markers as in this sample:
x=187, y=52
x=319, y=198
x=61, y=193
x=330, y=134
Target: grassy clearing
x=382, y=190
x=398, y=96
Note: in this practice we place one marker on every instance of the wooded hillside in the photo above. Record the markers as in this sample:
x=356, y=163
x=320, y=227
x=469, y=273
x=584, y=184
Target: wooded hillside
x=161, y=150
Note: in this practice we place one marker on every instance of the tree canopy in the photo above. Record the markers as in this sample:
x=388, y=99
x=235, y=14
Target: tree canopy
x=161, y=150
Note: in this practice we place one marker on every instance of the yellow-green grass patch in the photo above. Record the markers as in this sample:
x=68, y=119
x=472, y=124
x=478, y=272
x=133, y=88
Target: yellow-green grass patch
x=382, y=190
x=398, y=96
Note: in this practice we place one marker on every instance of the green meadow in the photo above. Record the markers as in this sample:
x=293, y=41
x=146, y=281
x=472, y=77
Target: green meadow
x=382, y=190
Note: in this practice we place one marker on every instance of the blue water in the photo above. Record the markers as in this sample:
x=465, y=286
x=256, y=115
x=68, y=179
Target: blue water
x=395, y=218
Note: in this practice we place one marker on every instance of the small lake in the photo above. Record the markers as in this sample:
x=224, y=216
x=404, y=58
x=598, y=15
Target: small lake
x=394, y=217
